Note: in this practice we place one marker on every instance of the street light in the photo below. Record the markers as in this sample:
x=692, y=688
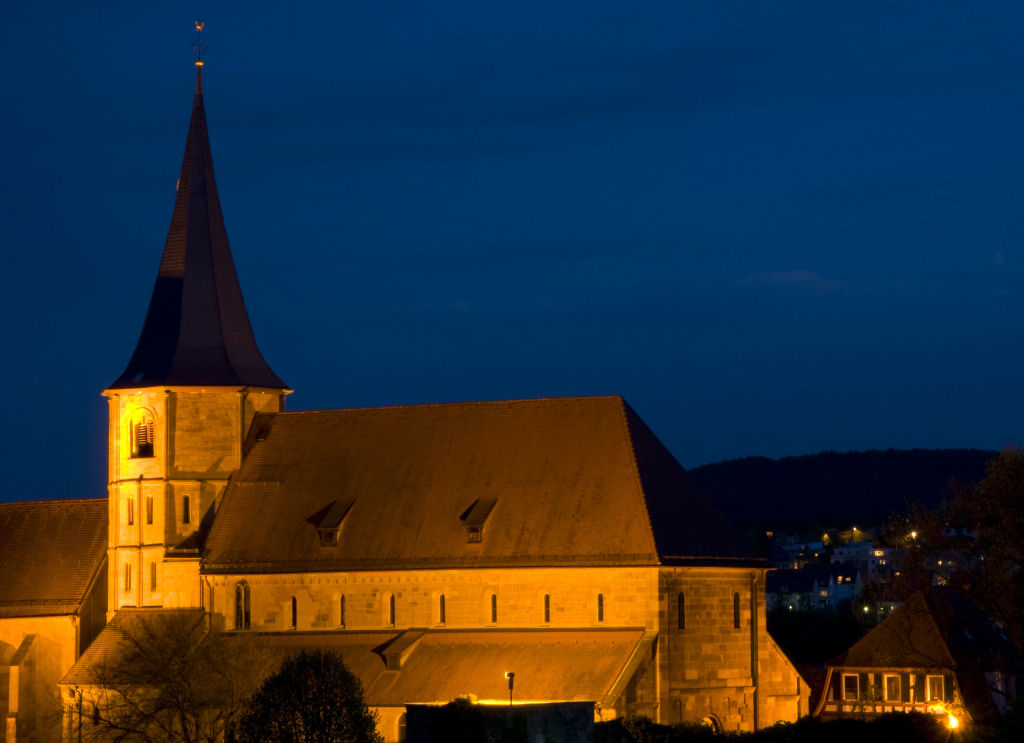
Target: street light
x=511, y=676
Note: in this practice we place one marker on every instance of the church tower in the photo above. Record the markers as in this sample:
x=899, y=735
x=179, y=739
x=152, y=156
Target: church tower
x=179, y=412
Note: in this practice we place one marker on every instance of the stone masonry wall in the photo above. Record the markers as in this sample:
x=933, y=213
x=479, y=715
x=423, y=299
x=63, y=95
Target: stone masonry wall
x=35, y=652
x=159, y=501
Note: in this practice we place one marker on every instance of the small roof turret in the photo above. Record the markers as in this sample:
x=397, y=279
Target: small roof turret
x=197, y=330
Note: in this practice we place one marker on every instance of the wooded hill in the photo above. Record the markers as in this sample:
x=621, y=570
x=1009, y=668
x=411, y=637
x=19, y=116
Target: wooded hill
x=835, y=489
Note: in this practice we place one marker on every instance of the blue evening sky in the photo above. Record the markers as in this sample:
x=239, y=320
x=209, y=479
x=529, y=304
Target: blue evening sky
x=773, y=227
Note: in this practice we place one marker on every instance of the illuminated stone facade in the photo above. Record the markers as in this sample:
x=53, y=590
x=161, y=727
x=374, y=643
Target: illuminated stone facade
x=434, y=546
x=159, y=497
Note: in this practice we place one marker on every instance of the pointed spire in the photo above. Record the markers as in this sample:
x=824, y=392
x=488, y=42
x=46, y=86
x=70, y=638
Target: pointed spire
x=197, y=330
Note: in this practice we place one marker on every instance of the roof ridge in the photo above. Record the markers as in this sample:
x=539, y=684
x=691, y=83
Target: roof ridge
x=623, y=406
x=384, y=408
x=54, y=501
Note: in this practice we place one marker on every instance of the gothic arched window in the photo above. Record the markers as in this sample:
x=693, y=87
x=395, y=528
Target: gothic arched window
x=494, y=608
x=242, y=606
x=127, y=577
x=547, y=608
x=600, y=607
x=391, y=610
x=140, y=435
x=440, y=609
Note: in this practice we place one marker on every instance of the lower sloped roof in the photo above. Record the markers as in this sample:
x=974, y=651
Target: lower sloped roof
x=441, y=665
x=50, y=554
x=126, y=633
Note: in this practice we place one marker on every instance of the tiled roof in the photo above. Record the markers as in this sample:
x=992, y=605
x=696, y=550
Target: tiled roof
x=197, y=330
x=440, y=665
x=109, y=647
x=50, y=553
x=937, y=628
x=573, y=481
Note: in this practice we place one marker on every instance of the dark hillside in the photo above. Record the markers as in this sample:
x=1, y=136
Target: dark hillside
x=835, y=487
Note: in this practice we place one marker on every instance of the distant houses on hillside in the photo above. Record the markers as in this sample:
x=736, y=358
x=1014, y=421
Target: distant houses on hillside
x=804, y=581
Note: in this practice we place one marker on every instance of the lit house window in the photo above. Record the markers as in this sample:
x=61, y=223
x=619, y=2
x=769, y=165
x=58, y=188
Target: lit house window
x=547, y=608
x=140, y=435
x=600, y=607
x=851, y=688
x=892, y=688
x=242, y=606
x=935, y=689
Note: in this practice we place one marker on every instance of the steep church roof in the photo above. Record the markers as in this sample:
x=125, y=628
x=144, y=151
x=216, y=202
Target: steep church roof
x=50, y=554
x=197, y=330
x=544, y=482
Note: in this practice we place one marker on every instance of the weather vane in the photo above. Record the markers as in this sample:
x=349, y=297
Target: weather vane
x=198, y=46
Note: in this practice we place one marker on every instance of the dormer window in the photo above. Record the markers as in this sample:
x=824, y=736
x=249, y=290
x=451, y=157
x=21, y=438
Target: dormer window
x=140, y=435
x=328, y=521
x=475, y=517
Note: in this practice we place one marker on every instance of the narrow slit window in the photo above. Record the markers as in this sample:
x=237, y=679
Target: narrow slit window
x=127, y=578
x=242, y=606
x=129, y=513
x=440, y=609
x=341, y=611
x=681, y=611
x=152, y=577
x=600, y=607
x=494, y=608
x=295, y=613
x=391, y=610
x=186, y=509
x=149, y=509
x=736, y=611
x=547, y=608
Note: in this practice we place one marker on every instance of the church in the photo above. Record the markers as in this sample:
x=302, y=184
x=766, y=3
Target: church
x=435, y=547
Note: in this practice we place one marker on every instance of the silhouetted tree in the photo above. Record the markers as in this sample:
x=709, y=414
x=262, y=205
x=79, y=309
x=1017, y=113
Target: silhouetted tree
x=162, y=676
x=313, y=698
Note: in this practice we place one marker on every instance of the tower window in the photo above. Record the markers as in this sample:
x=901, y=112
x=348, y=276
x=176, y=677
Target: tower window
x=341, y=611
x=242, y=606
x=440, y=610
x=391, y=610
x=152, y=576
x=149, y=509
x=681, y=608
x=129, y=514
x=600, y=607
x=494, y=608
x=736, y=611
x=186, y=509
x=140, y=435
x=295, y=613
x=547, y=608
x=127, y=577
